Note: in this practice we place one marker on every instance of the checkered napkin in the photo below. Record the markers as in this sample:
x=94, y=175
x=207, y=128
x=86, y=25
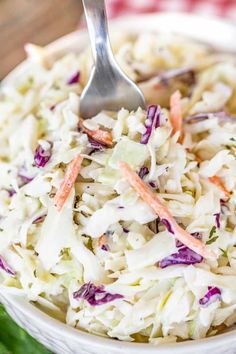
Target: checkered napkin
x=222, y=8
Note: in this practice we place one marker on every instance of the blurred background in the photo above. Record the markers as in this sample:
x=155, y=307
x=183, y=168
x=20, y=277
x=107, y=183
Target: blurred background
x=34, y=21
x=43, y=21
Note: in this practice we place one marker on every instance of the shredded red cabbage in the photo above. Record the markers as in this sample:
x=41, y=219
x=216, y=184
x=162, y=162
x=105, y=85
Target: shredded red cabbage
x=143, y=172
x=126, y=231
x=96, y=145
x=217, y=216
x=24, y=176
x=211, y=296
x=11, y=192
x=4, y=266
x=203, y=116
x=152, y=122
x=184, y=256
x=41, y=156
x=168, y=225
x=185, y=74
x=152, y=184
x=105, y=248
x=39, y=219
x=196, y=235
x=223, y=206
x=95, y=295
x=74, y=79
x=52, y=107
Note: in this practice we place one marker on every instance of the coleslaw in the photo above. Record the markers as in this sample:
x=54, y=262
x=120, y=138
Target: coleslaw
x=123, y=225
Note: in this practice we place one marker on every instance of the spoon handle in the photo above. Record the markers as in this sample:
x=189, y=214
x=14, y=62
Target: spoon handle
x=96, y=18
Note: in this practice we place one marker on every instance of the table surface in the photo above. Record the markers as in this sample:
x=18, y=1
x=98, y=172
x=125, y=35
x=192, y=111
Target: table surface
x=35, y=21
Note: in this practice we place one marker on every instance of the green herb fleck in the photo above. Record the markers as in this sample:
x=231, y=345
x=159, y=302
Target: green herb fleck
x=211, y=240
x=232, y=139
x=89, y=243
x=224, y=253
x=213, y=230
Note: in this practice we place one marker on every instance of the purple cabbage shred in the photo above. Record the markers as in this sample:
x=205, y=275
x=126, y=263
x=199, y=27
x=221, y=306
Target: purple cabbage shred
x=95, y=295
x=39, y=219
x=11, y=192
x=152, y=122
x=179, y=244
x=211, y=296
x=152, y=184
x=74, y=79
x=41, y=156
x=143, y=172
x=184, y=256
x=223, y=206
x=203, y=116
x=105, y=248
x=126, y=231
x=4, y=266
x=168, y=225
x=217, y=217
x=52, y=107
x=185, y=74
x=24, y=177
x=196, y=235
x=96, y=145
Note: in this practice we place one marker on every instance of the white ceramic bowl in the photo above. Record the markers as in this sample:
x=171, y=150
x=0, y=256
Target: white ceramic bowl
x=57, y=336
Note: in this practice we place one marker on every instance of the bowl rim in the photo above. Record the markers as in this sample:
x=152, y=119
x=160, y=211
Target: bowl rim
x=55, y=50
x=53, y=325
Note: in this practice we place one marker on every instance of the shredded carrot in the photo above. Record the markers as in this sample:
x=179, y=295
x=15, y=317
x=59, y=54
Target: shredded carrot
x=176, y=117
x=101, y=240
x=102, y=136
x=198, y=159
x=68, y=182
x=217, y=181
x=155, y=203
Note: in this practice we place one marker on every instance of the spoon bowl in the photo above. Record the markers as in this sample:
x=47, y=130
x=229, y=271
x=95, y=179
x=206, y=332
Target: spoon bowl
x=108, y=87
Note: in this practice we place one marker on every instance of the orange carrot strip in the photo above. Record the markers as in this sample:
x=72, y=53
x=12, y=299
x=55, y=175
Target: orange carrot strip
x=198, y=159
x=155, y=203
x=217, y=181
x=68, y=182
x=101, y=240
x=176, y=117
x=102, y=136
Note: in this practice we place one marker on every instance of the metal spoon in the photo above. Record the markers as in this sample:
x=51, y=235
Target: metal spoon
x=108, y=87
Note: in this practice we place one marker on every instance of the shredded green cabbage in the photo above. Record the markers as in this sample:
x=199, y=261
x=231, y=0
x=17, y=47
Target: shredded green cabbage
x=105, y=234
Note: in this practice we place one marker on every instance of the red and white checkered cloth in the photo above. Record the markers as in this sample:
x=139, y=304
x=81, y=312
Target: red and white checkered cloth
x=223, y=8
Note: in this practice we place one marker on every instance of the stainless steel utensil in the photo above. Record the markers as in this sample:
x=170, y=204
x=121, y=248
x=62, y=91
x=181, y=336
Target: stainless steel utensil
x=108, y=87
